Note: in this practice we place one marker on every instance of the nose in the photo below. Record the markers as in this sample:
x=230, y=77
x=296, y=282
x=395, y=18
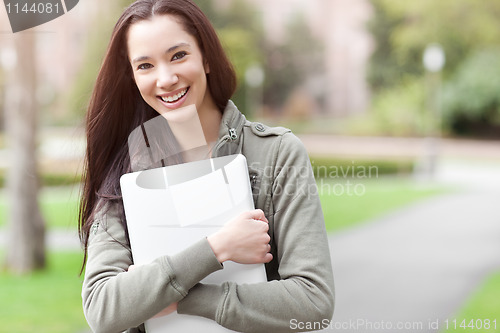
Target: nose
x=166, y=77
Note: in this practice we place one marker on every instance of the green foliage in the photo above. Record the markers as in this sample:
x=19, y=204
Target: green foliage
x=401, y=110
x=383, y=71
x=402, y=30
x=473, y=92
x=325, y=167
x=238, y=13
x=240, y=31
x=465, y=29
x=237, y=41
x=60, y=179
x=48, y=179
x=290, y=64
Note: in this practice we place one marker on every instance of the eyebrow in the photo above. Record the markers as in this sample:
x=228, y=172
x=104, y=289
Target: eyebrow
x=170, y=50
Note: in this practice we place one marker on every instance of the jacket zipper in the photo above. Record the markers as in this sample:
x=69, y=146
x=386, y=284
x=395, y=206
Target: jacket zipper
x=232, y=135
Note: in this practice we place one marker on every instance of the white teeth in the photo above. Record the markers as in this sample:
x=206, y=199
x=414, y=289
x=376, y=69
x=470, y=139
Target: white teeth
x=174, y=98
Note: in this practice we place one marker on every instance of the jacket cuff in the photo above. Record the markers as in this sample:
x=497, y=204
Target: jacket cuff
x=202, y=300
x=193, y=264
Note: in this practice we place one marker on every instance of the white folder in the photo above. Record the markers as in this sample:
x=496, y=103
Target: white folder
x=170, y=208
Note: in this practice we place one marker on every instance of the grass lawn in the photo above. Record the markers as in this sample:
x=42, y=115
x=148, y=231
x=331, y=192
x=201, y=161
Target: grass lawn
x=346, y=204
x=44, y=302
x=59, y=207
x=483, y=306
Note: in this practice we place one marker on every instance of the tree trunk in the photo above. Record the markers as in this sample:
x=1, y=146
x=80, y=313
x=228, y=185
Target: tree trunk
x=26, y=242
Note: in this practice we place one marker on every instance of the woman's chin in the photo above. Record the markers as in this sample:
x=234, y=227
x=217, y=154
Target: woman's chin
x=182, y=114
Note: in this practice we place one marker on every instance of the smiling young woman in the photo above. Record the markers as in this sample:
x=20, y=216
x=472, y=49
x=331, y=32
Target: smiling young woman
x=165, y=55
x=170, y=71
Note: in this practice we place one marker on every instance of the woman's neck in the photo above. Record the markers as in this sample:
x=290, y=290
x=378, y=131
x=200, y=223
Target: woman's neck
x=210, y=118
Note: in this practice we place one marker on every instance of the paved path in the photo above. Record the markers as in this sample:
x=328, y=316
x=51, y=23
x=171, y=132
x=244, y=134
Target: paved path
x=60, y=240
x=364, y=146
x=416, y=266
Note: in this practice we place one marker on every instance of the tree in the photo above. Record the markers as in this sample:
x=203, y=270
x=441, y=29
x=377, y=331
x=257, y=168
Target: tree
x=471, y=98
x=293, y=63
x=26, y=248
x=403, y=29
x=242, y=37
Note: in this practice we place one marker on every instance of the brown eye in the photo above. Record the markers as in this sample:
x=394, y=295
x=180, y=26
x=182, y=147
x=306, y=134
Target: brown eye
x=144, y=66
x=179, y=55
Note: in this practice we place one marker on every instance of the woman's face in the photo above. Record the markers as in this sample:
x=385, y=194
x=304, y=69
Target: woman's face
x=168, y=66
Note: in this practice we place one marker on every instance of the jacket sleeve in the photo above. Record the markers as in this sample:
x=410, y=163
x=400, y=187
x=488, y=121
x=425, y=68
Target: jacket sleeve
x=115, y=300
x=305, y=291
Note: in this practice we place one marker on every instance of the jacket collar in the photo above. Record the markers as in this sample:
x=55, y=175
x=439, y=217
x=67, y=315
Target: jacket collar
x=230, y=131
x=232, y=118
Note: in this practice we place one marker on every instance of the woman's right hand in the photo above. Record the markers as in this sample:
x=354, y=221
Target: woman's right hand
x=243, y=240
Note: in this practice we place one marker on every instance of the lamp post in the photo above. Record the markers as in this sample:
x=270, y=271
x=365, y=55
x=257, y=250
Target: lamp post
x=434, y=60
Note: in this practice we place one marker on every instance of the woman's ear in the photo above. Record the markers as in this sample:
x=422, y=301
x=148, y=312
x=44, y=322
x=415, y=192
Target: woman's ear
x=206, y=66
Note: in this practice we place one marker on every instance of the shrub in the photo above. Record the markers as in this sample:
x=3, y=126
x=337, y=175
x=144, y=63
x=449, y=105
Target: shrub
x=471, y=98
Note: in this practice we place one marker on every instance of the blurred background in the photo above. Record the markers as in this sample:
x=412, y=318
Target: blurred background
x=397, y=102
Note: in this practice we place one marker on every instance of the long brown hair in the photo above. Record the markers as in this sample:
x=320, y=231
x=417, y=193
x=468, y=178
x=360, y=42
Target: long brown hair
x=116, y=107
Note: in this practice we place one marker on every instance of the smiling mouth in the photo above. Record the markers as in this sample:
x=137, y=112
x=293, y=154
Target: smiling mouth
x=174, y=98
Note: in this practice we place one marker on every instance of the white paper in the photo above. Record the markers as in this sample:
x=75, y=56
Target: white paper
x=165, y=216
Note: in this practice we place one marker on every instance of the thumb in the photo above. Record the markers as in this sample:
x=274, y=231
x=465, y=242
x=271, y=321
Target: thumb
x=267, y=258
